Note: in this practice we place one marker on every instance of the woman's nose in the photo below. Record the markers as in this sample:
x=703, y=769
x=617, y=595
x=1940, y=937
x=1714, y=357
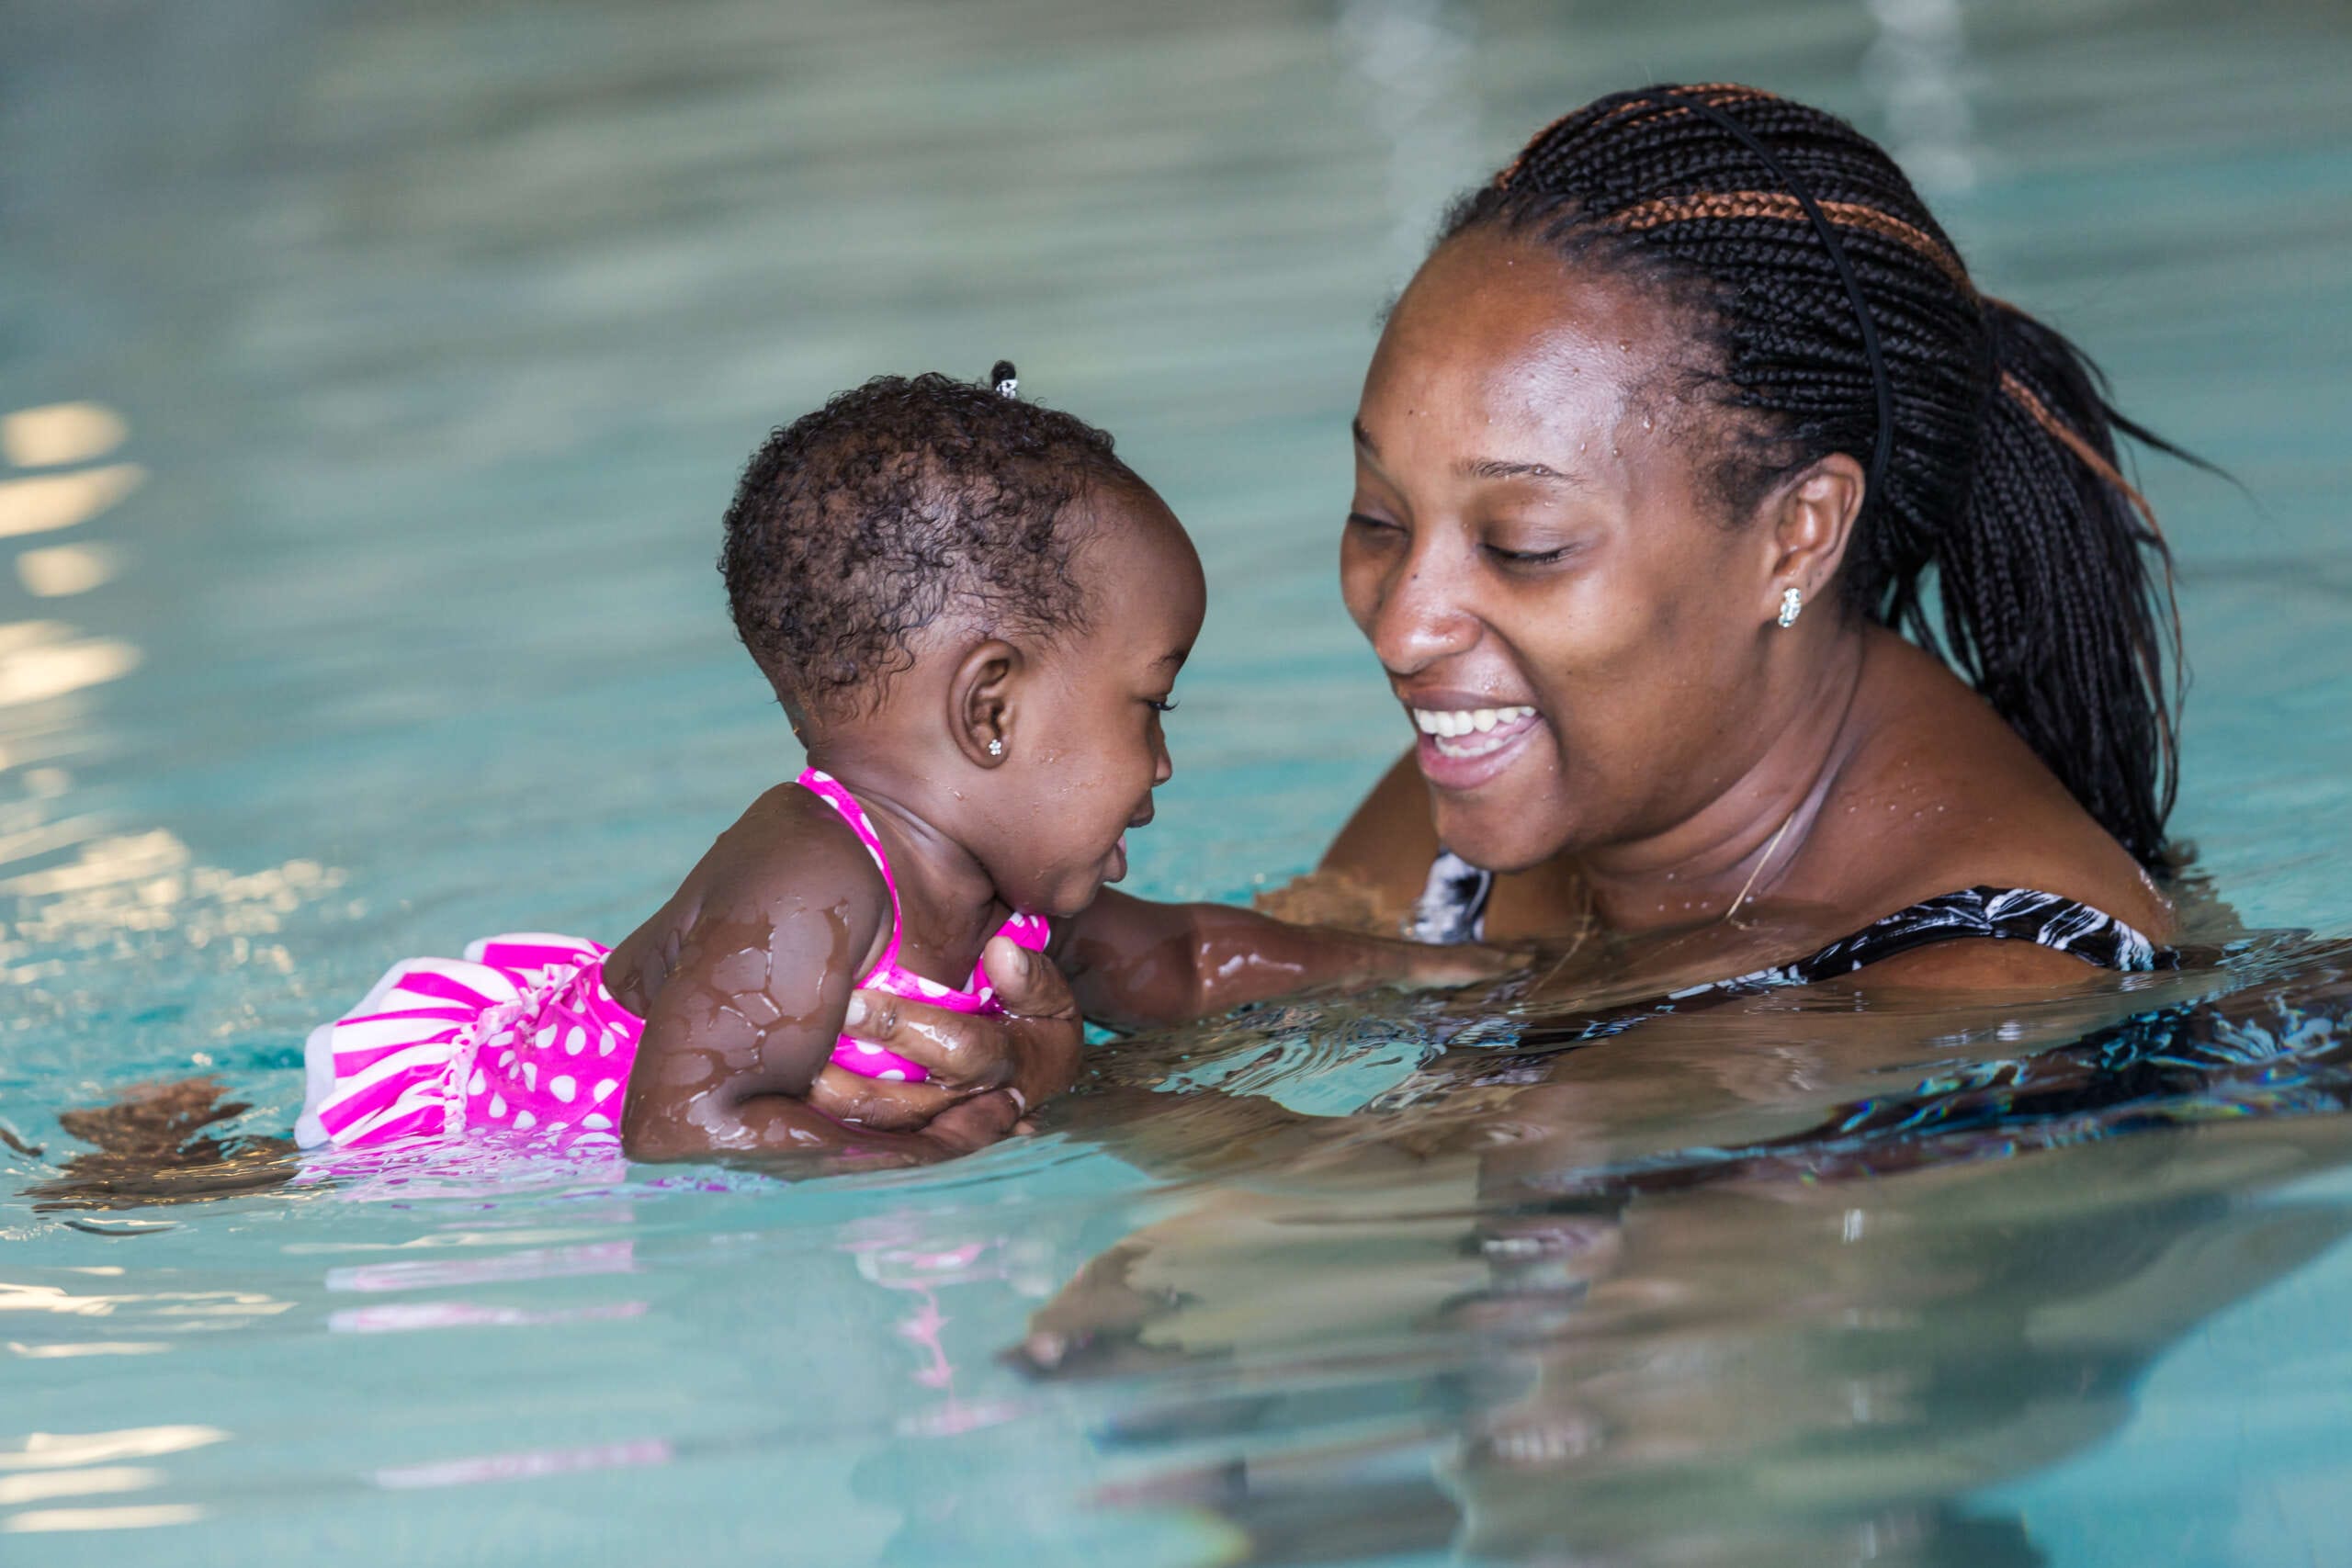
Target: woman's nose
x=1421, y=618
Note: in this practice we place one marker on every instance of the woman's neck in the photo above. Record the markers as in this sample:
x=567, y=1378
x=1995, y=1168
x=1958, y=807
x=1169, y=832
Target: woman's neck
x=947, y=902
x=1737, y=845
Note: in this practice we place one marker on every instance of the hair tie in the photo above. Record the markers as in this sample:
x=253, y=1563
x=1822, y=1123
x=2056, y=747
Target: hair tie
x=1006, y=381
x=1884, y=447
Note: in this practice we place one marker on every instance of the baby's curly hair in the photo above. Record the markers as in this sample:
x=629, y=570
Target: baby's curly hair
x=910, y=497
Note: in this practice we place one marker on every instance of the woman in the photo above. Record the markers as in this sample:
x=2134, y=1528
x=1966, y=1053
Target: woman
x=1653, y=463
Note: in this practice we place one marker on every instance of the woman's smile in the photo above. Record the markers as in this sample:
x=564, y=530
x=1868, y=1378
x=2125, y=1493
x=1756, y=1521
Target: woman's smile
x=1465, y=742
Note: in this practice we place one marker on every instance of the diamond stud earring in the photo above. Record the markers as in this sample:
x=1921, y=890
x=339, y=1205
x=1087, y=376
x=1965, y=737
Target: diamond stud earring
x=1792, y=606
x=996, y=747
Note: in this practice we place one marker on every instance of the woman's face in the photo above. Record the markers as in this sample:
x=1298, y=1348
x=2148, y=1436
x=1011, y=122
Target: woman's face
x=1535, y=556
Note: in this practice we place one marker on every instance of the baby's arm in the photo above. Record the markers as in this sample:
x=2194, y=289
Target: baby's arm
x=750, y=1008
x=1134, y=963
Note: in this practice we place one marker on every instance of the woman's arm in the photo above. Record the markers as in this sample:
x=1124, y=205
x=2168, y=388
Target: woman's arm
x=1137, y=964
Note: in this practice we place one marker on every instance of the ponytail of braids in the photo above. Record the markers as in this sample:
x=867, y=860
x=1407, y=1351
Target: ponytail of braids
x=2052, y=601
x=1999, y=501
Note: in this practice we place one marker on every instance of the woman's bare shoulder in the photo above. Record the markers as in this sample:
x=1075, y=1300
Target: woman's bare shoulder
x=1388, y=843
x=1942, y=794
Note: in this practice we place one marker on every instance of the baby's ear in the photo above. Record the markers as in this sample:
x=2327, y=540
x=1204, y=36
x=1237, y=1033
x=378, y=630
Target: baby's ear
x=981, y=701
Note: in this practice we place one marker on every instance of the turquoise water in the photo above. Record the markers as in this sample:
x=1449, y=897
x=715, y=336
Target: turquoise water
x=367, y=607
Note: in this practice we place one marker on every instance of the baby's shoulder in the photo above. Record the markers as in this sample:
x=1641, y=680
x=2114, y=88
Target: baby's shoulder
x=784, y=881
x=789, y=848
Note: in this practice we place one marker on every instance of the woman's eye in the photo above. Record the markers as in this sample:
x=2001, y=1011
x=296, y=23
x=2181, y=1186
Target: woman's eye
x=1529, y=557
x=1376, y=525
x=1161, y=705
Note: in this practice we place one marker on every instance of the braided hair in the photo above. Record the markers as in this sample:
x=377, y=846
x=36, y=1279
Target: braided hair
x=1839, y=317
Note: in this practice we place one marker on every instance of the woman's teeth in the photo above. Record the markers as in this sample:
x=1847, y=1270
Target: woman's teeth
x=1449, y=723
x=1444, y=725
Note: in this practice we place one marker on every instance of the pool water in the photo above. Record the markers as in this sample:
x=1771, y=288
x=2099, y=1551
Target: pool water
x=373, y=378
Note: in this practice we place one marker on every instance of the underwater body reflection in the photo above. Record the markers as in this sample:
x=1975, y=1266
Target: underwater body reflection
x=1791, y=1348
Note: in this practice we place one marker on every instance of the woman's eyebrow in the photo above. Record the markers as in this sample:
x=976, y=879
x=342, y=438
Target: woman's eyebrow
x=1502, y=468
x=1480, y=468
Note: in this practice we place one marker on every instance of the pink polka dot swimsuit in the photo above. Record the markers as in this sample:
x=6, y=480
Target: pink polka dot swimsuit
x=521, y=1038
x=891, y=976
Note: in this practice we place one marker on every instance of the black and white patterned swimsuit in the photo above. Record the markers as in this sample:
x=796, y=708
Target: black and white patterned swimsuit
x=1453, y=908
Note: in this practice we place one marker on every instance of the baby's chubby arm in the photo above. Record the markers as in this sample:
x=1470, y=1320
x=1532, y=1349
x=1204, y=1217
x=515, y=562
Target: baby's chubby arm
x=751, y=1007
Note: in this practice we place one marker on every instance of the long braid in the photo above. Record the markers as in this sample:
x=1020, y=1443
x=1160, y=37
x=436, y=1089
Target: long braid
x=2052, y=579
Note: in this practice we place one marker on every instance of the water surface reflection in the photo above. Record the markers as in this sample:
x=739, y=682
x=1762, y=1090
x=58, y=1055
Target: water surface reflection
x=1537, y=1336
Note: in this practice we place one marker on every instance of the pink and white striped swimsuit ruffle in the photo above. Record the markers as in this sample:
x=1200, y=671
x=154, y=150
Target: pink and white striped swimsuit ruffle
x=521, y=1039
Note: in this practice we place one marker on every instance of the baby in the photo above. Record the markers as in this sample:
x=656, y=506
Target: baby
x=974, y=615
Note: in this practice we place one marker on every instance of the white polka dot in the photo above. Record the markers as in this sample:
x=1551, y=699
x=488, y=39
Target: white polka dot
x=604, y=1046
x=863, y=1049
x=524, y=1120
x=892, y=1074
x=563, y=1086
x=603, y=1089
x=478, y=1082
x=597, y=1123
x=545, y=1037
x=575, y=1042
x=530, y=1075
x=498, y=1105
x=506, y=1060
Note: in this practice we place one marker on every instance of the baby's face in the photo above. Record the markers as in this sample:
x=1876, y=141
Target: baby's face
x=1086, y=749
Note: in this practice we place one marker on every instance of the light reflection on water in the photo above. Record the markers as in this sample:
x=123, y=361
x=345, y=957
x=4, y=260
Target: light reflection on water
x=369, y=397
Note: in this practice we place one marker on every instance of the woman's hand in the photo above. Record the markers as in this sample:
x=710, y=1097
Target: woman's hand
x=1026, y=1055
x=1431, y=967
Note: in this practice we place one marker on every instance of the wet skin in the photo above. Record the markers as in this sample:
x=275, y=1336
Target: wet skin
x=1534, y=527
x=744, y=977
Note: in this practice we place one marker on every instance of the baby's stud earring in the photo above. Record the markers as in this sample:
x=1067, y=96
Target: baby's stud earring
x=1792, y=606
x=996, y=747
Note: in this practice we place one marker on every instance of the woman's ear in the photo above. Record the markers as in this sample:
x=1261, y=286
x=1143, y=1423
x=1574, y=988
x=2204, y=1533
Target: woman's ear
x=1809, y=520
x=981, y=702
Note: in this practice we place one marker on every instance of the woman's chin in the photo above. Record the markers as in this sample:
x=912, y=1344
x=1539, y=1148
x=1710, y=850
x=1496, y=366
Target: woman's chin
x=1503, y=812
x=1493, y=835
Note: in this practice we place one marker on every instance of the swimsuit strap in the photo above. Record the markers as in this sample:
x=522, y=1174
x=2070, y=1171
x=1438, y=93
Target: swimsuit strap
x=829, y=789
x=1453, y=908
x=1453, y=905
x=2016, y=914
